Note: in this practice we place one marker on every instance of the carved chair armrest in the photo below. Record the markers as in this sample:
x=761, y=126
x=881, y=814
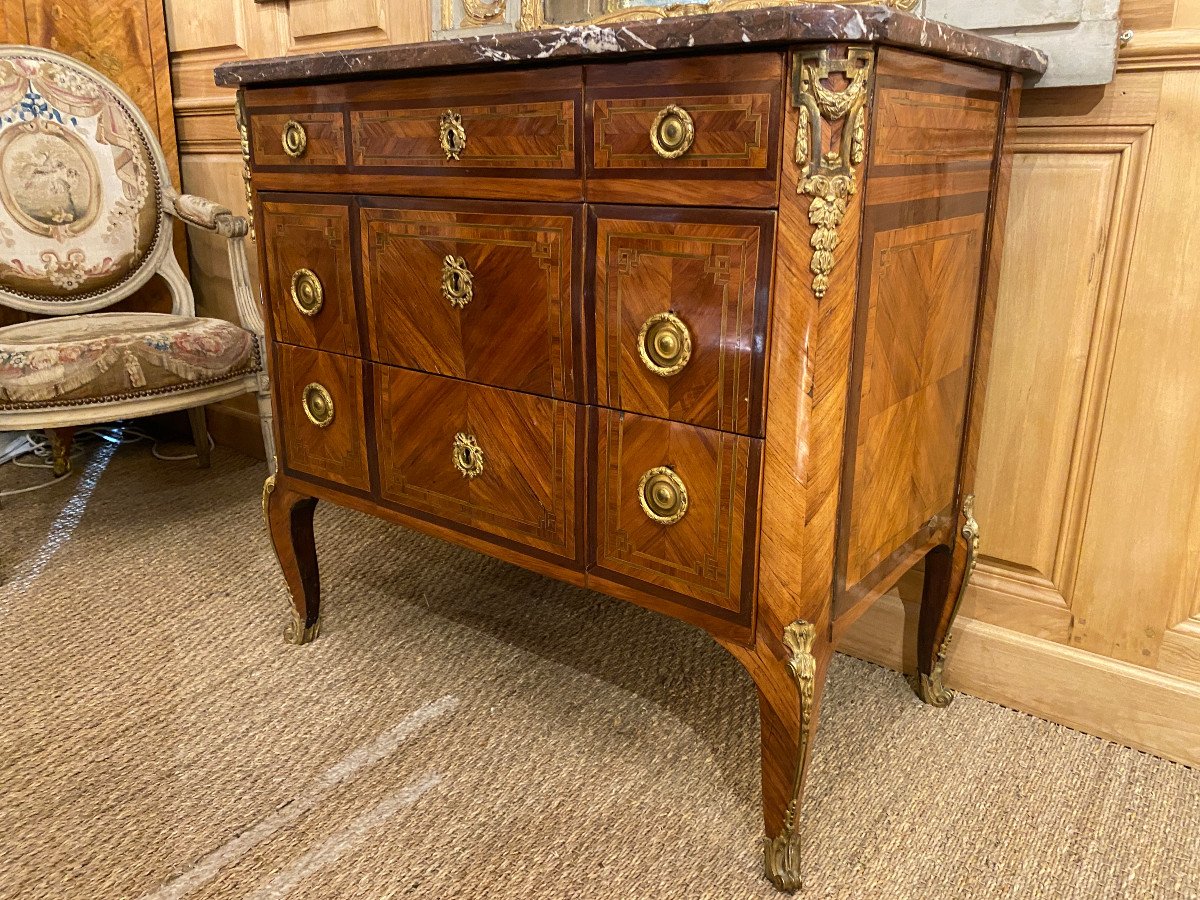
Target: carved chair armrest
x=213, y=217
x=208, y=215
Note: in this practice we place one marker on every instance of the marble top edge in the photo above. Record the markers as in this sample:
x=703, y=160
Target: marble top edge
x=746, y=29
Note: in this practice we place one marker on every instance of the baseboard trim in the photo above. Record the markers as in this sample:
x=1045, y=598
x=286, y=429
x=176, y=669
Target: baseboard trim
x=1131, y=705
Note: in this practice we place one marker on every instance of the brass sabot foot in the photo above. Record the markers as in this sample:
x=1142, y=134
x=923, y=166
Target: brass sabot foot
x=782, y=857
x=932, y=689
x=298, y=633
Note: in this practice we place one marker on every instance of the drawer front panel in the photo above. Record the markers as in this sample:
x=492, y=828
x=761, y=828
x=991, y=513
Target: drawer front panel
x=645, y=469
x=537, y=135
x=315, y=138
x=489, y=297
x=689, y=126
x=319, y=407
x=310, y=286
x=500, y=462
x=680, y=310
x=517, y=123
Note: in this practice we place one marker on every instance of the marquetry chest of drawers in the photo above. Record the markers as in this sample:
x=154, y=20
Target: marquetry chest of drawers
x=694, y=312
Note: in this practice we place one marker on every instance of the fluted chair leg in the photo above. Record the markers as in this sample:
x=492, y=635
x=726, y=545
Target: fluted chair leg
x=200, y=436
x=61, y=440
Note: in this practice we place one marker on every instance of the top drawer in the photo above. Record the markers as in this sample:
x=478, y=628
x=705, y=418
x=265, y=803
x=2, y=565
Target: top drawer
x=295, y=138
x=703, y=131
x=497, y=135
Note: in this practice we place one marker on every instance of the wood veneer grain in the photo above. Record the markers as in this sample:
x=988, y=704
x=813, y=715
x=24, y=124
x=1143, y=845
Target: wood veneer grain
x=709, y=268
x=517, y=331
x=316, y=237
x=526, y=491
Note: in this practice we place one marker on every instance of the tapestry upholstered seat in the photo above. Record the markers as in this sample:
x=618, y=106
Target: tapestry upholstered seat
x=86, y=213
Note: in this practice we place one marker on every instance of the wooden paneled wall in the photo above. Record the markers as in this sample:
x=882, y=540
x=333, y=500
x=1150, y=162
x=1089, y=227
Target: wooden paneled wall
x=1086, y=609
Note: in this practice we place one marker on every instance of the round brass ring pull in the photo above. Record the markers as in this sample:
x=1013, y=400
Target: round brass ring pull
x=663, y=496
x=458, y=284
x=673, y=132
x=307, y=292
x=295, y=140
x=318, y=405
x=453, y=135
x=665, y=344
x=468, y=457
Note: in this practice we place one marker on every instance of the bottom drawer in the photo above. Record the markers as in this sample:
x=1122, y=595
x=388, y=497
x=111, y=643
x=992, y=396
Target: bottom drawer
x=319, y=406
x=500, y=462
x=675, y=511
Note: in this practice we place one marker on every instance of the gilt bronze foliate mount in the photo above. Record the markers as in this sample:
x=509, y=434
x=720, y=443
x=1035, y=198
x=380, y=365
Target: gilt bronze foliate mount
x=829, y=163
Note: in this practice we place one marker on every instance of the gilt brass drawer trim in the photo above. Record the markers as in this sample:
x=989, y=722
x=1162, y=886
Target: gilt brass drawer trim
x=663, y=496
x=673, y=132
x=318, y=405
x=458, y=282
x=452, y=135
x=468, y=456
x=294, y=139
x=665, y=344
x=308, y=294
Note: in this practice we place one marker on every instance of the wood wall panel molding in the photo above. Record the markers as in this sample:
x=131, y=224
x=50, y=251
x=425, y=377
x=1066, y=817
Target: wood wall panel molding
x=1169, y=48
x=336, y=24
x=1054, y=343
x=1129, y=592
x=1180, y=650
x=1131, y=99
x=208, y=25
x=204, y=33
x=1020, y=600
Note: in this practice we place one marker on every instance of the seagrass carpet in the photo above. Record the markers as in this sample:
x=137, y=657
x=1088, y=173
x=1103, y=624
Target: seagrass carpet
x=463, y=729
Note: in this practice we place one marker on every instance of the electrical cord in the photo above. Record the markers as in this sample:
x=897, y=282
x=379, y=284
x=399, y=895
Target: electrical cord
x=43, y=454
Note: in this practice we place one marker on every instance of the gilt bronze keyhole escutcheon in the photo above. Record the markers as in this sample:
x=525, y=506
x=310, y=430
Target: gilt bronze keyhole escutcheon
x=307, y=292
x=665, y=344
x=295, y=139
x=458, y=284
x=663, y=496
x=452, y=135
x=318, y=405
x=468, y=457
x=673, y=132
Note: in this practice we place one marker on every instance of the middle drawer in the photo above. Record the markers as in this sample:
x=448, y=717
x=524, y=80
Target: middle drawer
x=680, y=303
x=492, y=297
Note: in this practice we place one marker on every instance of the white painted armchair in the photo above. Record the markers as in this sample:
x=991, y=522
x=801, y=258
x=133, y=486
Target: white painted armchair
x=86, y=209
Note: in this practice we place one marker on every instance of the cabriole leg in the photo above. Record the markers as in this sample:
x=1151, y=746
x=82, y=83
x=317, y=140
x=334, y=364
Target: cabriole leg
x=947, y=573
x=789, y=694
x=289, y=517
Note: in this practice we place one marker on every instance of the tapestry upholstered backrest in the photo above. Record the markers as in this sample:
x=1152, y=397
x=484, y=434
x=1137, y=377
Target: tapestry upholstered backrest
x=81, y=186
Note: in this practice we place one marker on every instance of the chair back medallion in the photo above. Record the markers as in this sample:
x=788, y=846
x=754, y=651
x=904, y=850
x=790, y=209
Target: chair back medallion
x=79, y=182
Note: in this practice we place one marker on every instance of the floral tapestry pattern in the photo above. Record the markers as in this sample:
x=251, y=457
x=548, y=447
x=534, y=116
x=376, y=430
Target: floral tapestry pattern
x=111, y=355
x=79, y=205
